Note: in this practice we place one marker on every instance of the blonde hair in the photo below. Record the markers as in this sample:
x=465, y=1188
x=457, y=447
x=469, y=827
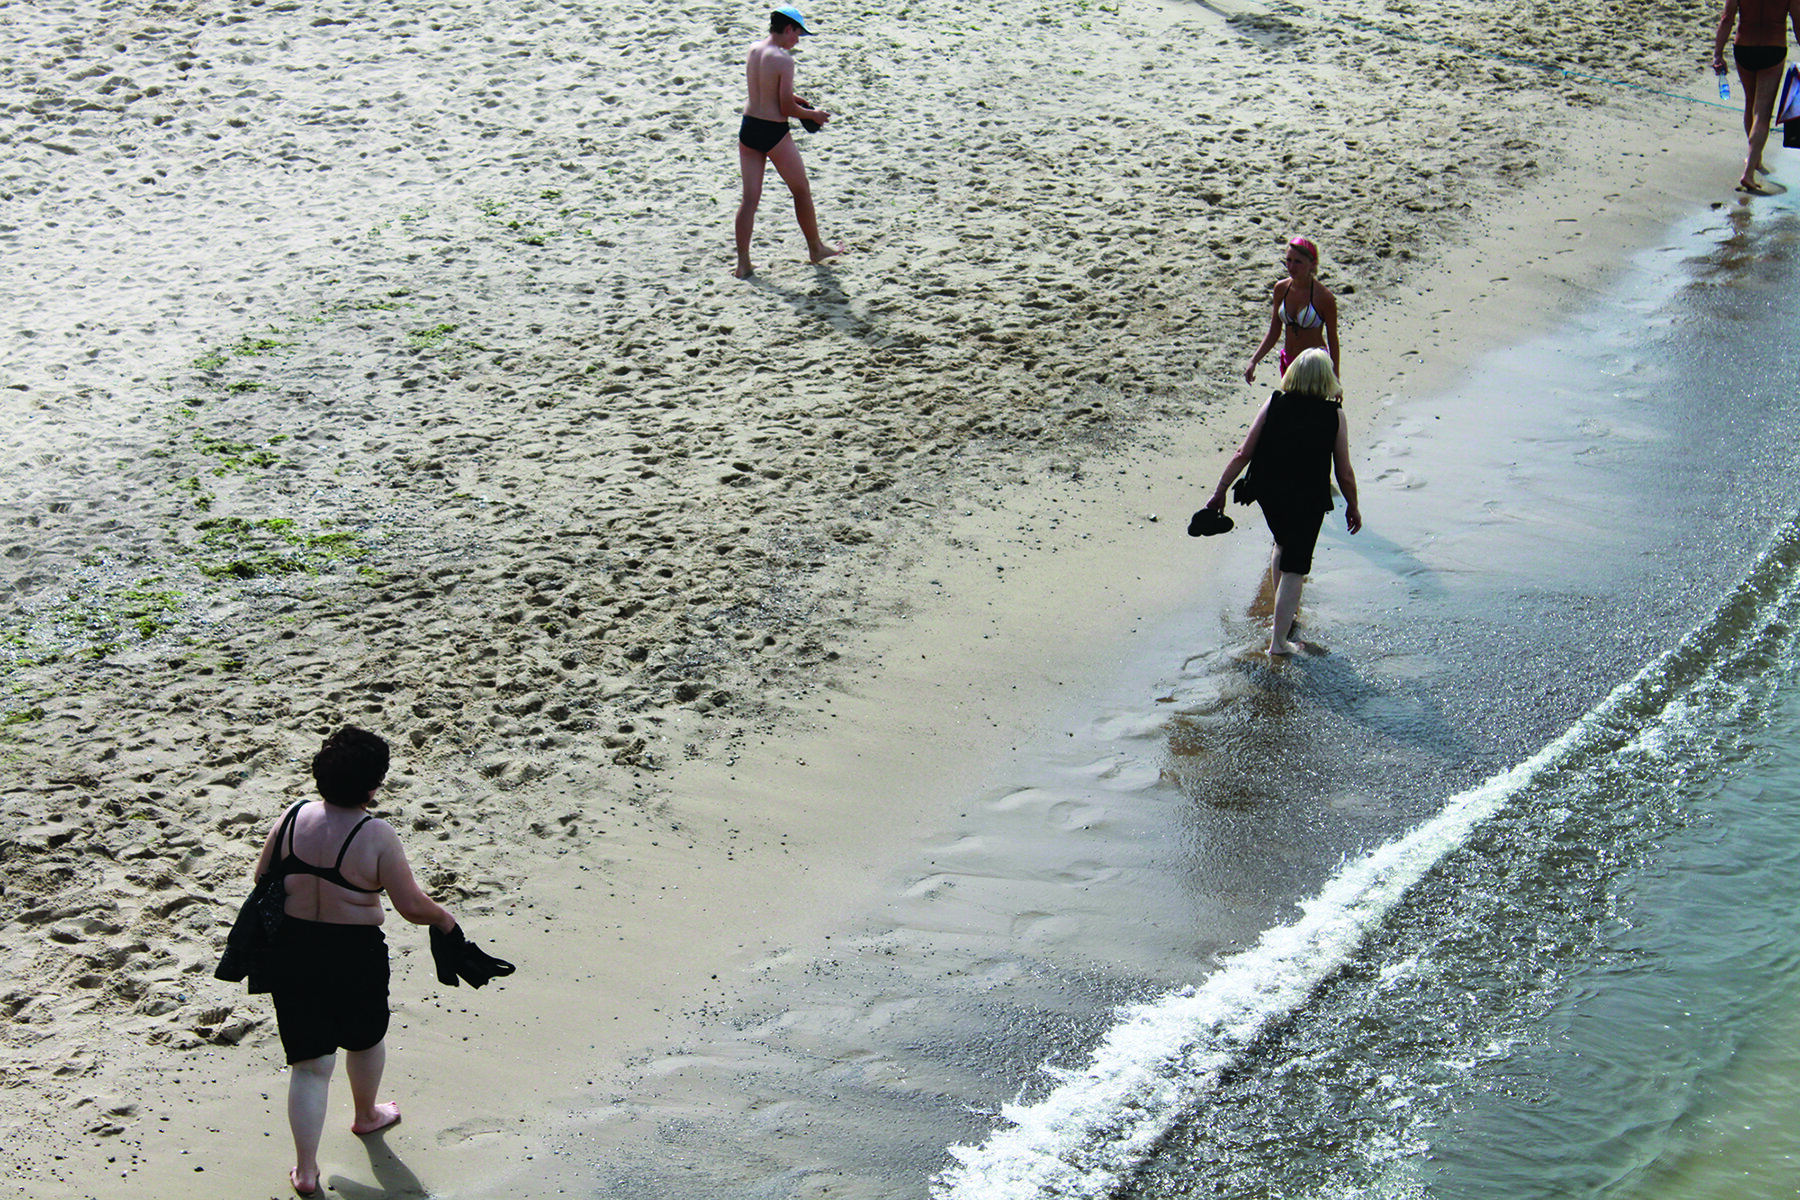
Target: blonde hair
x=1311, y=375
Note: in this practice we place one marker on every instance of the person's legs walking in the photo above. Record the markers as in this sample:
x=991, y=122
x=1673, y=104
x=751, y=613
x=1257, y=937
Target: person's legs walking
x=364, y=1068
x=309, y=1088
x=1287, y=607
x=1767, y=85
x=786, y=157
x=1747, y=89
x=750, y=166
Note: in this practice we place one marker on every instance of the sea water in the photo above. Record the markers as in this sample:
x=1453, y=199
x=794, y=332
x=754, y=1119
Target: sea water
x=1568, y=983
x=1566, y=679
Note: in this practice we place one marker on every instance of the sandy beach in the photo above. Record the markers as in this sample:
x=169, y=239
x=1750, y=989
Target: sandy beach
x=384, y=365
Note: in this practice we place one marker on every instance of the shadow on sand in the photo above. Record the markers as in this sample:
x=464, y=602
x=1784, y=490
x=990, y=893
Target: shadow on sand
x=394, y=1180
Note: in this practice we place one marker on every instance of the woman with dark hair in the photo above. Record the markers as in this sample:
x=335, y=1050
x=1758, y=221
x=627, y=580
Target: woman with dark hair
x=1298, y=431
x=1305, y=315
x=329, y=975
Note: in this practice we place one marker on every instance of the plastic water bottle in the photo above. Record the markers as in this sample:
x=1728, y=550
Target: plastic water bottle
x=1724, y=86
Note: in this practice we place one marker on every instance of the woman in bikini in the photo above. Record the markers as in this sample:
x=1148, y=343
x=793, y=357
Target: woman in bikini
x=1305, y=316
x=1759, y=52
x=330, y=975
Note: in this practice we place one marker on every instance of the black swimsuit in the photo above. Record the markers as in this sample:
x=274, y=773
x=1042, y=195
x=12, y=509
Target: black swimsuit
x=1759, y=58
x=331, y=981
x=760, y=135
x=293, y=864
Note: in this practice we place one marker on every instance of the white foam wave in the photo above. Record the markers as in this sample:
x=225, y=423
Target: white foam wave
x=1102, y=1121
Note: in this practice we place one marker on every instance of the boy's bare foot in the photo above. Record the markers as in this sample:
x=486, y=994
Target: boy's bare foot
x=386, y=1114
x=301, y=1186
x=824, y=251
x=744, y=271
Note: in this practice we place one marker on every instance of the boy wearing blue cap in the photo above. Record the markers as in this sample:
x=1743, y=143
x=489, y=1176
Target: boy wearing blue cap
x=765, y=136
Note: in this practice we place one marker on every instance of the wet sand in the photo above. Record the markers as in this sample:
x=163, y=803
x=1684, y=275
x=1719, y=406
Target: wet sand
x=387, y=368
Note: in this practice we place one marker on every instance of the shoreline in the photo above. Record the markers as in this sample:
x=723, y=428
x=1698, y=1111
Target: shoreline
x=1095, y=567
x=1032, y=683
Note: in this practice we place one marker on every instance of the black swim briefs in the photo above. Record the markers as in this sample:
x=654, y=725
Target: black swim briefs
x=330, y=987
x=760, y=135
x=1758, y=58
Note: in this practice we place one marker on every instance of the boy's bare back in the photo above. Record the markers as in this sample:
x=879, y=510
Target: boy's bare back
x=769, y=73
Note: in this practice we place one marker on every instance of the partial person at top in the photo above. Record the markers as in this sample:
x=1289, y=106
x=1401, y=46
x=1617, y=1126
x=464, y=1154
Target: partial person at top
x=765, y=136
x=1305, y=316
x=1759, y=52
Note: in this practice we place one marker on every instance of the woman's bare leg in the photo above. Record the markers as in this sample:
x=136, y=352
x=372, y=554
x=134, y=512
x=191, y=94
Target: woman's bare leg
x=309, y=1089
x=1287, y=603
x=364, y=1067
x=1287, y=606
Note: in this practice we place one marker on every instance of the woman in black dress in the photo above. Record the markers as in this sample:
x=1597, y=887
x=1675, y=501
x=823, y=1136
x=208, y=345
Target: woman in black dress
x=1297, y=438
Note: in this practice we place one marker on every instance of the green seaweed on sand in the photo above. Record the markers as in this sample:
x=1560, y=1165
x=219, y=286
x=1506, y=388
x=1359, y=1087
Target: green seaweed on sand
x=203, y=499
x=89, y=624
x=247, y=346
x=425, y=339
x=250, y=347
x=241, y=548
x=234, y=457
x=147, y=609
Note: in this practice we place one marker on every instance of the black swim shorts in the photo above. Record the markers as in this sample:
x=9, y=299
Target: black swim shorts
x=330, y=987
x=1758, y=58
x=760, y=135
x=1296, y=530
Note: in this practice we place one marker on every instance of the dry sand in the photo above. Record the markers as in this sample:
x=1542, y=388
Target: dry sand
x=383, y=364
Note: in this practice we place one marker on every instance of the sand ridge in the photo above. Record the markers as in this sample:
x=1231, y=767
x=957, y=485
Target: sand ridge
x=383, y=364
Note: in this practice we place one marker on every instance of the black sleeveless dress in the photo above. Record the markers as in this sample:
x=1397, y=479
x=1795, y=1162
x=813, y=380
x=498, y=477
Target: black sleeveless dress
x=1292, y=468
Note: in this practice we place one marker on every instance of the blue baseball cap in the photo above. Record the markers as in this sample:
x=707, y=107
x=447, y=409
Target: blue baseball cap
x=793, y=14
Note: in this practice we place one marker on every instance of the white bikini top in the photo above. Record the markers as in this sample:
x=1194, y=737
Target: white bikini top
x=1307, y=318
